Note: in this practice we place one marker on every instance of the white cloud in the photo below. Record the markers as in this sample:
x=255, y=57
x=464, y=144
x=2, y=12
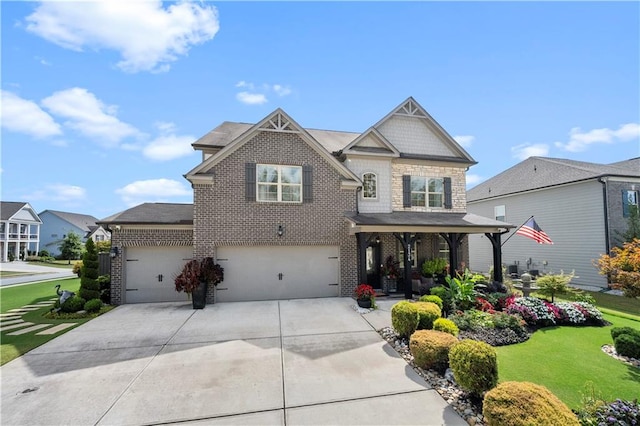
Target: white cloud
x=281, y=90
x=165, y=126
x=59, y=192
x=579, y=141
x=251, y=98
x=168, y=147
x=524, y=151
x=148, y=36
x=24, y=116
x=465, y=141
x=152, y=190
x=244, y=84
x=90, y=116
x=473, y=179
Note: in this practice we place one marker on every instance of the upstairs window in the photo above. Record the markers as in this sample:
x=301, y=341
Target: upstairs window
x=427, y=192
x=369, y=186
x=499, y=213
x=629, y=198
x=279, y=183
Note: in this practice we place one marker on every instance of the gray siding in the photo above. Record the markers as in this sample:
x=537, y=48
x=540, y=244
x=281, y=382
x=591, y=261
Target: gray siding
x=572, y=216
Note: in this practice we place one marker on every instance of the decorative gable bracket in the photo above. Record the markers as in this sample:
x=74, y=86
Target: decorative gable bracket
x=278, y=123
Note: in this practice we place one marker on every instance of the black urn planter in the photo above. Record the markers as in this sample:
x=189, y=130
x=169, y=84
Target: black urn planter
x=199, y=296
x=364, y=303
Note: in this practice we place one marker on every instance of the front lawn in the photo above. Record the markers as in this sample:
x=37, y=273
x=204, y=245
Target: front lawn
x=29, y=294
x=566, y=359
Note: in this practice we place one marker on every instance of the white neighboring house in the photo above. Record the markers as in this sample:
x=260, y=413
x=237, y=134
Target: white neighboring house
x=583, y=207
x=19, y=230
x=56, y=225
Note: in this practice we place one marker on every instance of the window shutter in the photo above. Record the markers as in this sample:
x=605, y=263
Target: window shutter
x=447, y=193
x=625, y=204
x=307, y=184
x=250, y=181
x=406, y=191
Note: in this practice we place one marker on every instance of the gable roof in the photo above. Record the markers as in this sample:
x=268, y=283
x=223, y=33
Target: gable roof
x=85, y=222
x=542, y=172
x=383, y=146
x=278, y=121
x=8, y=209
x=153, y=213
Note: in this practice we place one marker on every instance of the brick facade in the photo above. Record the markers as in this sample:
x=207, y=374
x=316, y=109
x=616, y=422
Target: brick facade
x=223, y=216
x=141, y=237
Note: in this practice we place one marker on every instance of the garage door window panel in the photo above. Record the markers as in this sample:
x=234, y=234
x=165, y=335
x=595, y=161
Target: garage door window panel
x=279, y=183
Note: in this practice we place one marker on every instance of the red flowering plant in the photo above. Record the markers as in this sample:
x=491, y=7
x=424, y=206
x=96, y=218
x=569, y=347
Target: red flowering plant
x=365, y=292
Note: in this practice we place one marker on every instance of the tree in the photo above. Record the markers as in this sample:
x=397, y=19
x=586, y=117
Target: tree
x=633, y=225
x=89, y=285
x=71, y=247
x=623, y=268
x=103, y=246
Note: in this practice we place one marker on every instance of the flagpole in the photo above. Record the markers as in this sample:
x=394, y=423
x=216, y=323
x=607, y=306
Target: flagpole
x=516, y=230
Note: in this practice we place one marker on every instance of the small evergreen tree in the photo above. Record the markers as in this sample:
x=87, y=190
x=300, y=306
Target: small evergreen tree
x=71, y=247
x=89, y=285
x=633, y=225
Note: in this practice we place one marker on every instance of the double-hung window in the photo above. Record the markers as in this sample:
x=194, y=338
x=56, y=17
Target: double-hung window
x=369, y=186
x=629, y=201
x=279, y=183
x=427, y=192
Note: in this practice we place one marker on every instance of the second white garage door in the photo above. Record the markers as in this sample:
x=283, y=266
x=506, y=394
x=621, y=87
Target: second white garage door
x=278, y=272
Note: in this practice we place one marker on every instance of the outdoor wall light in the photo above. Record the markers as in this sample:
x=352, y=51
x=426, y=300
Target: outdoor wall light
x=280, y=230
x=114, y=251
x=378, y=239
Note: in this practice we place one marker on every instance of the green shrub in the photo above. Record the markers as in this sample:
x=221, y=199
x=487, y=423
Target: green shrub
x=93, y=305
x=427, y=313
x=89, y=286
x=431, y=298
x=105, y=288
x=44, y=253
x=404, y=318
x=446, y=325
x=77, y=268
x=430, y=349
x=525, y=404
x=627, y=345
x=444, y=295
x=73, y=304
x=471, y=319
x=616, y=331
x=474, y=365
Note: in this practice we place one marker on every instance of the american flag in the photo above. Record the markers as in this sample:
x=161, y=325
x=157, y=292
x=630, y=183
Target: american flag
x=531, y=230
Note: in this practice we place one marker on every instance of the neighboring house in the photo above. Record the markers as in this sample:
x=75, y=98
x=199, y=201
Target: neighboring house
x=19, y=230
x=57, y=225
x=291, y=212
x=583, y=207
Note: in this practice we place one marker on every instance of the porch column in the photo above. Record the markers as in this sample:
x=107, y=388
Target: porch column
x=497, y=256
x=453, y=239
x=361, y=238
x=406, y=242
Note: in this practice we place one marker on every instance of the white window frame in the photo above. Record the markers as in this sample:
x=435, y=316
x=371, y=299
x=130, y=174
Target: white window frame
x=426, y=192
x=375, y=186
x=443, y=248
x=500, y=213
x=278, y=184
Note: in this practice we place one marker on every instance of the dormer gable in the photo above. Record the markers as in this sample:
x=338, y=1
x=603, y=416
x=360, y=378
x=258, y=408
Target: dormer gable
x=371, y=142
x=415, y=134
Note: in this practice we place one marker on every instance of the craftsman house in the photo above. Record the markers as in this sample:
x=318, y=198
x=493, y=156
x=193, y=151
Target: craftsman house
x=56, y=225
x=291, y=212
x=583, y=207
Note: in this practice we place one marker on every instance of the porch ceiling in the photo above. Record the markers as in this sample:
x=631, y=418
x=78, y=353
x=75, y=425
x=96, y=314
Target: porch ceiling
x=415, y=222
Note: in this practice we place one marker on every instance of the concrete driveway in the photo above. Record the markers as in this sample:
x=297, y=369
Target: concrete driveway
x=311, y=361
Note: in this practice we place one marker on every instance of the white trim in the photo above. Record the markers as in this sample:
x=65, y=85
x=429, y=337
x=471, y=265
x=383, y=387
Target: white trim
x=375, y=175
x=427, y=193
x=278, y=184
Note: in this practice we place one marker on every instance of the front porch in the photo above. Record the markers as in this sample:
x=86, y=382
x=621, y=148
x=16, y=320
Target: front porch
x=421, y=236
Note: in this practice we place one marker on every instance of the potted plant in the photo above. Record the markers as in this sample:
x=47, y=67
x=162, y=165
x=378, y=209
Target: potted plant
x=390, y=274
x=196, y=276
x=365, y=296
x=432, y=268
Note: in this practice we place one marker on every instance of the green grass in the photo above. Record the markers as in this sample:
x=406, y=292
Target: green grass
x=627, y=305
x=18, y=296
x=64, y=264
x=566, y=359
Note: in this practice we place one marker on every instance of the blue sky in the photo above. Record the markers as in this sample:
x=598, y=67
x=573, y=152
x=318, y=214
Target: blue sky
x=100, y=102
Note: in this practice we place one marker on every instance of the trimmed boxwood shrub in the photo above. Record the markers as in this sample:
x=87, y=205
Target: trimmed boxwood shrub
x=616, y=331
x=627, y=345
x=73, y=304
x=404, y=318
x=427, y=313
x=93, y=305
x=446, y=325
x=444, y=295
x=525, y=404
x=431, y=298
x=430, y=349
x=474, y=365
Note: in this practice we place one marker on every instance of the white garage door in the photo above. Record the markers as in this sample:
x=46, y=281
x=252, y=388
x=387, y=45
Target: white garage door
x=150, y=273
x=268, y=273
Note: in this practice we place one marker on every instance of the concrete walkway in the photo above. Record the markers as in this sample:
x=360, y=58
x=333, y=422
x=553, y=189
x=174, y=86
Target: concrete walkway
x=13, y=324
x=311, y=361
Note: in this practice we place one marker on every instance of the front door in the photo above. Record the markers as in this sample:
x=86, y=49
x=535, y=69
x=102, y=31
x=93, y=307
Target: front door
x=373, y=259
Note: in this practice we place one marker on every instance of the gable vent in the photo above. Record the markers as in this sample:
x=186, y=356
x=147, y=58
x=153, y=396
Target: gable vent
x=278, y=123
x=410, y=108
